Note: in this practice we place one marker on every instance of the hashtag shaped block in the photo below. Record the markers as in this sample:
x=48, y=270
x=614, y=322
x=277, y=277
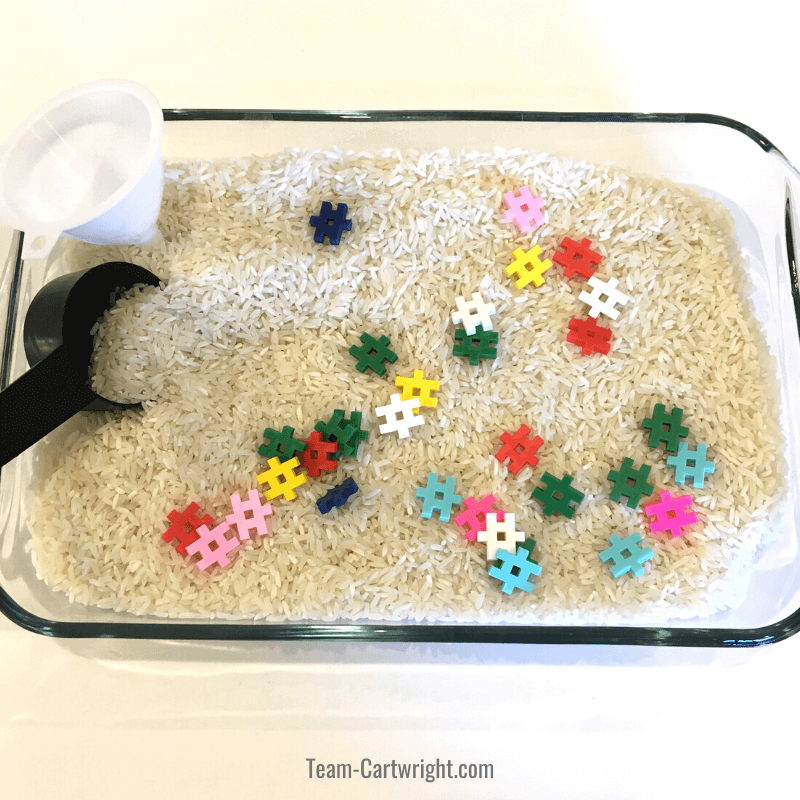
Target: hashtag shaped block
x=399, y=416
x=337, y=497
x=184, y=527
x=514, y=570
x=315, y=457
x=249, y=515
x=213, y=546
x=474, y=518
x=671, y=514
x=519, y=449
x=471, y=313
x=281, y=445
x=480, y=345
x=665, y=428
x=557, y=495
x=500, y=535
x=528, y=267
x=589, y=336
x=438, y=496
x=372, y=354
x=626, y=555
x=420, y=388
x=577, y=258
x=622, y=479
x=281, y=479
x=524, y=209
x=613, y=297
x=691, y=464
x=330, y=223
x=347, y=433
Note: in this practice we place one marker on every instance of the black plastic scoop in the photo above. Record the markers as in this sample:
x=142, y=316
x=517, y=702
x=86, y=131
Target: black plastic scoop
x=59, y=347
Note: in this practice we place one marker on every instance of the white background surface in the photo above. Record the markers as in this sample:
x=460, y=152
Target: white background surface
x=129, y=719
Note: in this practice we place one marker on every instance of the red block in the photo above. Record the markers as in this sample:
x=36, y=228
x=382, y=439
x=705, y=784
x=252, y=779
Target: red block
x=184, y=527
x=315, y=457
x=589, y=336
x=518, y=458
x=577, y=258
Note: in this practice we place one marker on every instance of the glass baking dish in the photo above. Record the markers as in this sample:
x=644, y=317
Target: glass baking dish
x=719, y=156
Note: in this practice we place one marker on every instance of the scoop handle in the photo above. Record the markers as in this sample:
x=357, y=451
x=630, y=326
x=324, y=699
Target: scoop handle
x=39, y=401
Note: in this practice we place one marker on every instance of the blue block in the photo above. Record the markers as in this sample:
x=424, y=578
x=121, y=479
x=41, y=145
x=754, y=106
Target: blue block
x=337, y=496
x=331, y=223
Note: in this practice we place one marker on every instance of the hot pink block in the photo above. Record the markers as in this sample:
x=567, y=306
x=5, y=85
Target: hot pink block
x=661, y=511
x=470, y=520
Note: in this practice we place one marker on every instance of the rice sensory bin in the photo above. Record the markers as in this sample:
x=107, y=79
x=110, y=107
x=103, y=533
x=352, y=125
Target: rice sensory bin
x=398, y=386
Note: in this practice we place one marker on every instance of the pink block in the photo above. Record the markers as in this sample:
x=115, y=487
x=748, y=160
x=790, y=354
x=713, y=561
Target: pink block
x=524, y=209
x=257, y=521
x=216, y=555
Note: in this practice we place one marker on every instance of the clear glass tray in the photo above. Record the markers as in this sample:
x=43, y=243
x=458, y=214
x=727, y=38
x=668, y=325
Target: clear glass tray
x=721, y=157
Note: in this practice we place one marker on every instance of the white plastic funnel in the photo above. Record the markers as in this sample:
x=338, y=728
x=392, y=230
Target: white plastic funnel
x=88, y=164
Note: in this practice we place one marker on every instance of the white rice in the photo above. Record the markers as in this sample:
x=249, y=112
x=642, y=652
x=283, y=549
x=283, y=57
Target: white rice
x=253, y=331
